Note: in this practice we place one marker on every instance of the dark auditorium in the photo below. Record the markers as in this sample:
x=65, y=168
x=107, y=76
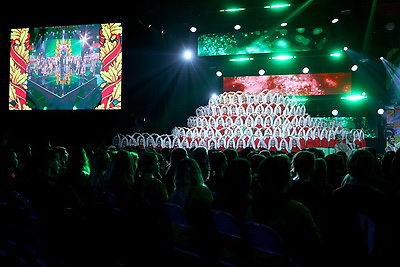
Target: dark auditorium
x=231, y=133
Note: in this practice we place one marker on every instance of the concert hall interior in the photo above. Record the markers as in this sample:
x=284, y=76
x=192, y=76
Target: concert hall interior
x=332, y=55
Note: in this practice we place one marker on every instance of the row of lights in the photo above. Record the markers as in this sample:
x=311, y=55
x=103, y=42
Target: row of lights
x=274, y=6
x=238, y=26
x=305, y=70
x=380, y=111
x=187, y=54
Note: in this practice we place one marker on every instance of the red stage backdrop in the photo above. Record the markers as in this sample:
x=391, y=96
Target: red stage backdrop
x=292, y=84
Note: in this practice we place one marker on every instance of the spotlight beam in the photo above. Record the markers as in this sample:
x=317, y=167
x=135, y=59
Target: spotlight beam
x=368, y=31
x=393, y=72
x=298, y=11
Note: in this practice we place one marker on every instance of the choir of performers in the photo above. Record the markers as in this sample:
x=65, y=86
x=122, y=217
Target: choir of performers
x=261, y=120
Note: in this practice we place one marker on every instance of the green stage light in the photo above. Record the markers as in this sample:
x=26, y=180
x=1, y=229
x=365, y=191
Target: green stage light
x=283, y=57
x=278, y=6
x=241, y=59
x=354, y=97
x=298, y=99
x=233, y=9
x=335, y=54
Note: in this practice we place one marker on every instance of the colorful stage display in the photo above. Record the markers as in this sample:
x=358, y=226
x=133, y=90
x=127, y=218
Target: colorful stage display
x=66, y=67
x=261, y=120
x=292, y=84
x=282, y=40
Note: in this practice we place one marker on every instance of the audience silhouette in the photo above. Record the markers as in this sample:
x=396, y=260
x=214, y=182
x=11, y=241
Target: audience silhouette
x=103, y=206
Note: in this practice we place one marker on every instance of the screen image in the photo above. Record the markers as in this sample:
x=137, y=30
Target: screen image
x=262, y=42
x=66, y=67
x=393, y=122
x=356, y=122
x=292, y=84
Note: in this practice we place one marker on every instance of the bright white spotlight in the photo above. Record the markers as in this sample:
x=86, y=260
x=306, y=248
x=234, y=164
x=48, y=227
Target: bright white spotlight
x=380, y=111
x=335, y=20
x=283, y=24
x=187, y=54
x=354, y=67
x=345, y=48
x=218, y=73
x=261, y=72
x=335, y=112
x=237, y=27
x=214, y=96
x=306, y=70
x=381, y=58
x=193, y=29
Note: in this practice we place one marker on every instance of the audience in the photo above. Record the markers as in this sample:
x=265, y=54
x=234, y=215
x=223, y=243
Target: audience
x=365, y=218
x=235, y=193
x=218, y=165
x=336, y=169
x=191, y=193
x=272, y=205
x=103, y=206
x=176, y=155
x=200, y=154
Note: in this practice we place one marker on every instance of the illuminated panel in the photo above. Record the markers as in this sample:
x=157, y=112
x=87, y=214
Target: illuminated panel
x=66, y=67
x=261, y=42
x=292, y=84
x=393, y=122
x=366, y=123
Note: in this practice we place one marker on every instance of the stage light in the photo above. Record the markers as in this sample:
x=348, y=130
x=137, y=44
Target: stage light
x=241, y=59
x=354, y=97
x=218, y=73
x=237, y=27
x=306, y=70
x=381, y=58
x=233, y=9
x=284, y=24
x=380, y=111
x=261, y=72
x=278, y=6
x=298, y=99
x=335, y=54
x=187, y=54
x=283, y=57
x=345, y=48
x=214, y=96
x=335, y=20
x=193, y=29
x=335, y=112
x=354, y=67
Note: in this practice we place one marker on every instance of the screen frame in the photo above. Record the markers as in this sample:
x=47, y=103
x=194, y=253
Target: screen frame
x=110, y=56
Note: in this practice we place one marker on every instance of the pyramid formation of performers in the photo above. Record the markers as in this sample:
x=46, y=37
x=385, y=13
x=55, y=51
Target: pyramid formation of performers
x=260, y=120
